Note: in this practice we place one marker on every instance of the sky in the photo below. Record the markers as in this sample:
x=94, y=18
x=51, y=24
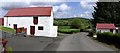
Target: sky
x=61, y=8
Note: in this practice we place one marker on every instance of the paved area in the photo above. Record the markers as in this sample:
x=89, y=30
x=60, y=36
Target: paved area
x=77, y=42
x=64, y=42
x=20, y=43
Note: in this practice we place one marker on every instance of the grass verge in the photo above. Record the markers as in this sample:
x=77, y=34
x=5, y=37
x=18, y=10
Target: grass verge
x=6, y=29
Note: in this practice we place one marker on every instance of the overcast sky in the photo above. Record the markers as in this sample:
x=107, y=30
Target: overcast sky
x=61, y=8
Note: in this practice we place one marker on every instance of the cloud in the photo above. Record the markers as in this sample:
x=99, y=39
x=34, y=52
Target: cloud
x=88, y=4
x=62, y=11
x=86, y=14
x=2, y=12
x=40, y=0
x=64, y=7
x=9, y=5
x=55, y=8
x=63, y=14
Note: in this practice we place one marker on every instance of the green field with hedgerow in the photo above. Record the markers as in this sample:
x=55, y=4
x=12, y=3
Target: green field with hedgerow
x=72, y=25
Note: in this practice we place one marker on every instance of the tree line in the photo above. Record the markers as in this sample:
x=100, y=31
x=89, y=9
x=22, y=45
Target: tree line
x=107, y=12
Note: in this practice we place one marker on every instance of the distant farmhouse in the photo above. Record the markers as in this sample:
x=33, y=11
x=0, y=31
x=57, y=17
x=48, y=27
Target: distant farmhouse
x=36, y=21
x=104, y=27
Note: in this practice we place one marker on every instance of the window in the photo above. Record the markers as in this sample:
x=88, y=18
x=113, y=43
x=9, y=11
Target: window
x=40, y=27
x=15, y=26
x=35, y=20
x=9, y=24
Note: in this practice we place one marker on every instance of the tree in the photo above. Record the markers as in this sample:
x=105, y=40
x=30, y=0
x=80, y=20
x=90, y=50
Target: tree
x=76, y=23
x=107, y=12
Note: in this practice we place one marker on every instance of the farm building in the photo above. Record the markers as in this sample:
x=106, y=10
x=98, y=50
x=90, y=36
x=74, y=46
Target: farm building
x=36, y=21
x=104, y=27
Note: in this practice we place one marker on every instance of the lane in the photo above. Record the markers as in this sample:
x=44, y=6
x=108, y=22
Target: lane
x=81, y=42
x=76, y=42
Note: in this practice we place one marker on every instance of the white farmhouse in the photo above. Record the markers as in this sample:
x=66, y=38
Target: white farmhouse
x=104, y=27
x=36, y=21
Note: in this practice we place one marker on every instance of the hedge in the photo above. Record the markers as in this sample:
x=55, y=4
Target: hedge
x=91, y=33
x=7, y=29
x=64, y=27
x=68, y=31
x=109, y=37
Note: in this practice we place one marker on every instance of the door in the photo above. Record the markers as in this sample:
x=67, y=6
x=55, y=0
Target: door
x=111, y=30
x=32, y=30
x=15, y=27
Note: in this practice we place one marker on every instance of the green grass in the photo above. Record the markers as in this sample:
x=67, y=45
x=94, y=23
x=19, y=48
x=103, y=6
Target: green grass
x=6, y=29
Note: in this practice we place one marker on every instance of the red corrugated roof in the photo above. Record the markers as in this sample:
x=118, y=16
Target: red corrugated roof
x=105, y=26
x=29, y=11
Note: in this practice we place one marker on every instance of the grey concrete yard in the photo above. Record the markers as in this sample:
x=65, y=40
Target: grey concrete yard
x=20, y=43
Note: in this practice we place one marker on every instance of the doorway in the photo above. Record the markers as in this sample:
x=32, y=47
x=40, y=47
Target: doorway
x=111, y=30
x=32, y=30
x=15, y=27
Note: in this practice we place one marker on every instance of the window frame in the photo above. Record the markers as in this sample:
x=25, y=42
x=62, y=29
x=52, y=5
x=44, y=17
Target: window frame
x=40, y=28
x=35, y=20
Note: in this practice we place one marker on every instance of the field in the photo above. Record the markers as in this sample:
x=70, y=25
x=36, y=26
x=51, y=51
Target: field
x=72, y=25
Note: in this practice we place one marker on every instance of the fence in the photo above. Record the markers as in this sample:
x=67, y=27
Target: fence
x=4, y=34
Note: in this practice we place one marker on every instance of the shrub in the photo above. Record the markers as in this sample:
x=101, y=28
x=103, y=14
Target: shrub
x=7, y=29
x=75, y=30
x=109, y=37
x=76, y=23
x=91, y=33
x=117, y=38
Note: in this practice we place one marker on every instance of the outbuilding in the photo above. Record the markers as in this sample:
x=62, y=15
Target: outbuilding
x=104, y=27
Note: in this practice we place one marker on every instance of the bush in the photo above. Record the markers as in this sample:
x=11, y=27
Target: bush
x=109, y=37
x=6, y=29
x=69, y=31
x=91, y=33
x=75, y=30
x=76, y=23
x=117, y=38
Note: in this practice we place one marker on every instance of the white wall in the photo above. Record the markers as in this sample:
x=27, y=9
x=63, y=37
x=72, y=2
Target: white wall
x=105, y=30
x=102, y=30
x=46, y=22
x=54, y=31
